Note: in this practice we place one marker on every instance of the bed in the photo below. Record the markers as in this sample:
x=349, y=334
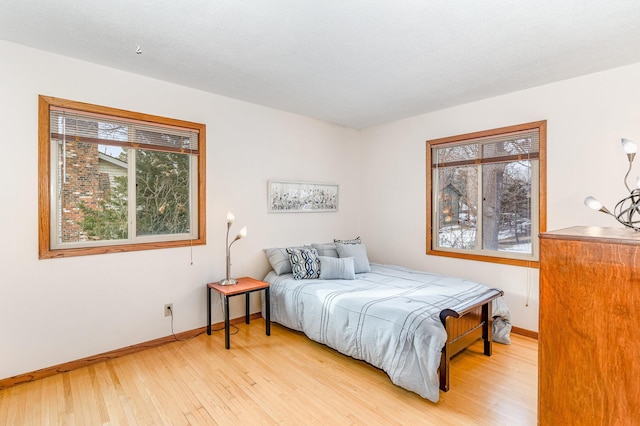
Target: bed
x=407, y=323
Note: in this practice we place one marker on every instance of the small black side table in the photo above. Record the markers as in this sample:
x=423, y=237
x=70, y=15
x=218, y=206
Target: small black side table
x=246, y=286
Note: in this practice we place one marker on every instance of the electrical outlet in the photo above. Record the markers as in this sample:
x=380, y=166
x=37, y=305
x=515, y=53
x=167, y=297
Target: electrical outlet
x=168, y=309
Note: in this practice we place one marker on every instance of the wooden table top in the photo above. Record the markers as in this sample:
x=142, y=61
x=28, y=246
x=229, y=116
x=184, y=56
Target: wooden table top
x=244, y=285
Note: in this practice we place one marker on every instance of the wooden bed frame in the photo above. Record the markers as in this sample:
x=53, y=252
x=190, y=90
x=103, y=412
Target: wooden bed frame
x=464, y=325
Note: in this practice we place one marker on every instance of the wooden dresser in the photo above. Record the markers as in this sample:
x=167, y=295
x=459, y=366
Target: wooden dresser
x=589, y=331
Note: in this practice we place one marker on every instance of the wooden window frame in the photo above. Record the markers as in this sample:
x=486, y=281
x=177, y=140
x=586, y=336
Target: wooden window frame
x=45, y=251
x=541, y=126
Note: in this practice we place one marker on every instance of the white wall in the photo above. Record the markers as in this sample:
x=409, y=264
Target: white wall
x=58, y=310
x=586, y=117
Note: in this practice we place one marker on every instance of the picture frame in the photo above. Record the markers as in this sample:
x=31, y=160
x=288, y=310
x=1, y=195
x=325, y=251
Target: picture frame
x=302, y=197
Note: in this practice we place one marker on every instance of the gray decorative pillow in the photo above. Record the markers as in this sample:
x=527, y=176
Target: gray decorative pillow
x=356, y=240
x=326, y=249
x=358, y=252
x=332, y=268
x=279, y=259
x=304, y=263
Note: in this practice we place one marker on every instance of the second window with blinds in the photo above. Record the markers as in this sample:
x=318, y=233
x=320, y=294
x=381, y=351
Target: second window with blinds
x=486, y=194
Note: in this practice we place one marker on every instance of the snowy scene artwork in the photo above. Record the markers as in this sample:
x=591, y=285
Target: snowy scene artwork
x=302, y=197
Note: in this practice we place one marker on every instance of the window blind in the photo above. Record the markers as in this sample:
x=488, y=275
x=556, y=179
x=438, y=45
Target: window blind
x=94, y=128
x=504, y=148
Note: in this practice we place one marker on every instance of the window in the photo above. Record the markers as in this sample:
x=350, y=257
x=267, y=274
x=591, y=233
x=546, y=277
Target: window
x=114, y=180
x=486, y=194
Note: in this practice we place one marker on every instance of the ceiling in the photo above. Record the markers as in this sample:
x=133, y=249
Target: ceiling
x=357, y=63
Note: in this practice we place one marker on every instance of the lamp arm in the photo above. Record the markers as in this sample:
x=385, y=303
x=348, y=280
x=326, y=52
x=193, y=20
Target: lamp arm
x=628, y=171
x=605, y=210
x=228, y=246
x=229, y=252
x=243, y=232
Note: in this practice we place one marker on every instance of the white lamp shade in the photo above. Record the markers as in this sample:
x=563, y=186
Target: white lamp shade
x=629, y=146
x=242, y=233
x=230, y=217
x=592, y=203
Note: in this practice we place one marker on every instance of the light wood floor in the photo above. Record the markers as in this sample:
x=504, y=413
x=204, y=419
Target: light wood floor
x=285, y=379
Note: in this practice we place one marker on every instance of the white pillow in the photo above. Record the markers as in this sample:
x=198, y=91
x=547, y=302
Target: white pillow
x=279, y=259
x=326, y=249
x=332, y=268
x=358, y=252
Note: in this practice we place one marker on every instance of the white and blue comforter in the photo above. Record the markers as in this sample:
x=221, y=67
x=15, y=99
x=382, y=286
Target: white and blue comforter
x=388, y=317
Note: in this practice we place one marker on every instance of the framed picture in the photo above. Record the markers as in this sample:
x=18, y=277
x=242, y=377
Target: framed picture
x=301, y=197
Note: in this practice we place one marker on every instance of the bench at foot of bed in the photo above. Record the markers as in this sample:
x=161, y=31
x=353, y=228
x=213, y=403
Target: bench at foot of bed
x=464, y=325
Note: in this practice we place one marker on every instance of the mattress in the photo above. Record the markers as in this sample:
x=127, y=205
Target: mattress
x=388, y=317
